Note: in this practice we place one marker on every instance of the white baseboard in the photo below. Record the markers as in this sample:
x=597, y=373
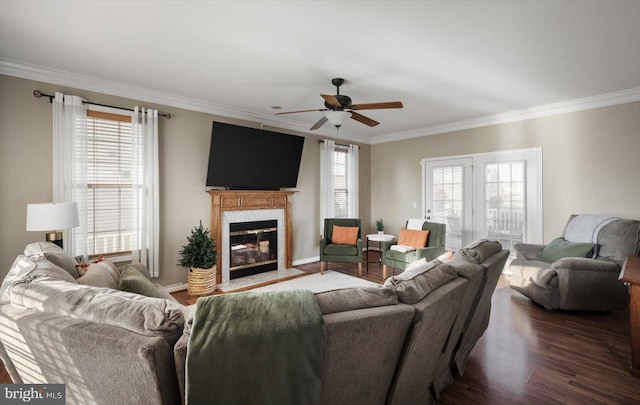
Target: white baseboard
x=176, y=287
x=307, y=260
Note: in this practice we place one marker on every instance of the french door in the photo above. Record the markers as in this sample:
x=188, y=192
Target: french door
x=448, y=186
x=491, y=195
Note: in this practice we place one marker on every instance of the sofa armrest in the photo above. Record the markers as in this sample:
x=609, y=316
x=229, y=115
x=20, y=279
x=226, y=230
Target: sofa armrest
x=585, y=264
x=543, y=279
x=529, y=251
x=323, y=243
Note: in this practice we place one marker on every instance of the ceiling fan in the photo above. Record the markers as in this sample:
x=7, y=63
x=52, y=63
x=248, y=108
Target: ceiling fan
x=339, y=108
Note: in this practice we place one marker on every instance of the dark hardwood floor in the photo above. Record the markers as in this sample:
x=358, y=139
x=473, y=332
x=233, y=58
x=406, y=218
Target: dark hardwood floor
x=532, y=356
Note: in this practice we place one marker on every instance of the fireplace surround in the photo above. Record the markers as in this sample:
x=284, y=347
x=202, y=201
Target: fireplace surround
x=233, y=206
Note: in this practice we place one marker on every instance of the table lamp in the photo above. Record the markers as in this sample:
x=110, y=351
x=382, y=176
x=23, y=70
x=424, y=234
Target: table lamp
x=52, y=217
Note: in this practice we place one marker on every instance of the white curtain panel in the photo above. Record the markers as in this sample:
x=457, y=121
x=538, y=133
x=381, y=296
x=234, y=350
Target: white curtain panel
x=353, y=185
x=145, y=238
x=327, y=207
x=70, y=165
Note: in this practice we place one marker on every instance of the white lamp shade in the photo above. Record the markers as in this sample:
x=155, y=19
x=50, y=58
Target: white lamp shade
x=52, y=216
x=336, y=118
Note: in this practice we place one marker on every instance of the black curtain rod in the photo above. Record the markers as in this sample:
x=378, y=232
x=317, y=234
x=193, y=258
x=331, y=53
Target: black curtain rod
x=39, y=94
x=338, y=144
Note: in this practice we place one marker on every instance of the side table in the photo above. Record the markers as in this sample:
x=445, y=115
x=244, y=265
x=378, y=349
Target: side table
x=630, y=274
x=378, y=237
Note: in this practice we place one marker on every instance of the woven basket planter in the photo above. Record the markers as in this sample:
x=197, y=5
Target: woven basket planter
x=201, y=281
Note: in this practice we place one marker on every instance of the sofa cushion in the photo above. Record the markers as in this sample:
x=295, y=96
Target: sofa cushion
x=349, y=299
x=414, y=238
x=420, y=279
x=479, y=250
x=55, y=254
x=341, y=250
x=344, y=235
x=101, y=274
x=147, y=316
x=560, y=248
x=132, y=280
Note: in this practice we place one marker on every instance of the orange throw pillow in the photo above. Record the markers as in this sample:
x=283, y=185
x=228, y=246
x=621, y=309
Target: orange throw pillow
x=345, y=235
x=416, y=239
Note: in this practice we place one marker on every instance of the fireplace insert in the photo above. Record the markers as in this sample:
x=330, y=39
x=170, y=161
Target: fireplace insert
x=254, y=248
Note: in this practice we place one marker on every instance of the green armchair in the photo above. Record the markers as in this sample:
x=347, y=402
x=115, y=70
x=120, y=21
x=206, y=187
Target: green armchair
x=400, y=260
x=330, y=252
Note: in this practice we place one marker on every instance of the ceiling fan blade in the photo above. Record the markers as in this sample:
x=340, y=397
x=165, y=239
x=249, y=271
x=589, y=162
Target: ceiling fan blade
x=363, y=119
x=377, y=106
x=320, y=123
x=331, y=100
x=295, y=112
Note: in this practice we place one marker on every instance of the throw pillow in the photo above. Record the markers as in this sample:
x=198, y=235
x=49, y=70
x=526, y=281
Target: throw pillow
x=132, y=280
x=416, y=239
x=560, y=248
x=344, y=235
x=101, y=274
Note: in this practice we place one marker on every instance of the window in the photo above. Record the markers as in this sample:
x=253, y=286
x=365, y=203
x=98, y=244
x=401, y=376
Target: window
x=447, y=192
x=109, y=183
x=505, y=202
x=339, y=187
x=340, y=183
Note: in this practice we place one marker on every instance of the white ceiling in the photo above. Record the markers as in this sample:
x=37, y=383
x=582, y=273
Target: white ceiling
x=449, y=62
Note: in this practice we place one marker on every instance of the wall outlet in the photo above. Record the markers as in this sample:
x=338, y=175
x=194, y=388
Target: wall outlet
x=415, y=204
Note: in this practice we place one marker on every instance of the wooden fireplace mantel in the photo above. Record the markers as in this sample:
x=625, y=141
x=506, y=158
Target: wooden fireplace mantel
x=233, y=200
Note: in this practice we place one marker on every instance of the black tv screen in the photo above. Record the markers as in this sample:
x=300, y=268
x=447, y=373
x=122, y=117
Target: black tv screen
x=243, y=158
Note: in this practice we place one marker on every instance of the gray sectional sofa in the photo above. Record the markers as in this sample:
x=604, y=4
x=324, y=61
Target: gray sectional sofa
x=397, y=344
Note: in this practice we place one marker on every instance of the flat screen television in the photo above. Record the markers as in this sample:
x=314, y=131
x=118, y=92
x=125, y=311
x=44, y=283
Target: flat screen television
x=243, y=158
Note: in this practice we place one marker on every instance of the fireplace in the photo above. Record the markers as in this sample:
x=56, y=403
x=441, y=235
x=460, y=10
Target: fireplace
x=244, y=207
x=253, y=247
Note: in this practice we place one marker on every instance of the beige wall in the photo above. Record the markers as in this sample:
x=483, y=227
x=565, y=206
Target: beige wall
x=591, y=164
x=25, y=164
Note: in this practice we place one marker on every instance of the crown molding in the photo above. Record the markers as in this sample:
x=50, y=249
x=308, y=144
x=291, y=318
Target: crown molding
x=586, y=103
x=90, y=83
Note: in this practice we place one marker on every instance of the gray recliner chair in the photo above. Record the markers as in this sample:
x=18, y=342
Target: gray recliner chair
x=579, y=283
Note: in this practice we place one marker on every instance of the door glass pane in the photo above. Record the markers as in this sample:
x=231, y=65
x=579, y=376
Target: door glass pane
x=448, y=204
x=505, y=202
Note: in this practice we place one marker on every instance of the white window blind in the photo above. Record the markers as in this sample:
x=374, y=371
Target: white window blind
x=341, y=193
x=109, y=183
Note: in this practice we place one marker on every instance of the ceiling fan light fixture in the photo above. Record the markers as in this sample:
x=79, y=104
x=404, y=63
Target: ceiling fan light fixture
x=336, y=118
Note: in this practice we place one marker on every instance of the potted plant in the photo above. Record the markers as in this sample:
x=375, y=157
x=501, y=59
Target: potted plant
x=199, y=255
x=380, y=226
